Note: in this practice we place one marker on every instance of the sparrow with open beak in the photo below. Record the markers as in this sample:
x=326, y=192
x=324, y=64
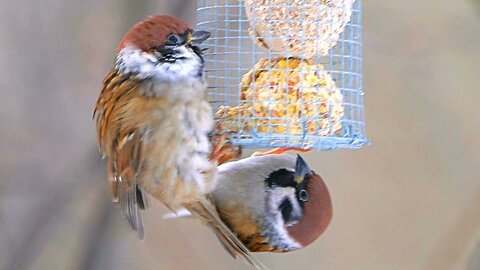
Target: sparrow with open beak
x=153, y=118
x=153, y=125
x=274, y=203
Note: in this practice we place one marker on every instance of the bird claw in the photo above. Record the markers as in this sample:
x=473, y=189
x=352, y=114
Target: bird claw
x=278, y=151
x=223, y=151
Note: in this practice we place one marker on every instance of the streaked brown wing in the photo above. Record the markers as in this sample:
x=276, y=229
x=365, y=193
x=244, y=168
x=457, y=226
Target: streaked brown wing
x=117, y=90
x=120, y=141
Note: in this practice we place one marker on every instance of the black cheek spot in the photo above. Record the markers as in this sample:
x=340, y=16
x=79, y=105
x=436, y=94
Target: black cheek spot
x=286, y=209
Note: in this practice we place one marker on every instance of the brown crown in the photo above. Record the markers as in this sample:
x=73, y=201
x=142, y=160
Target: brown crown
x=317, y=213
x=153, y=32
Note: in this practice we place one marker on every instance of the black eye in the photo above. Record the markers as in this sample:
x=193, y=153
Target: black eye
x=173, y=40
x=303, y=195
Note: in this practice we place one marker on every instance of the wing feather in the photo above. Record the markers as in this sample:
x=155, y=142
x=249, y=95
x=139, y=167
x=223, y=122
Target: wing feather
x=122, y=145
x=205, y=211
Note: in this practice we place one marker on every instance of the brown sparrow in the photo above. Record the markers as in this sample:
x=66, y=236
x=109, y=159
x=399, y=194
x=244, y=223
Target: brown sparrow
x=153, y=124
x=274, y=203
x=153, y=118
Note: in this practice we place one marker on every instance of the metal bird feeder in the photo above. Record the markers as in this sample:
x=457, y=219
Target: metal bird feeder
x=286, y=73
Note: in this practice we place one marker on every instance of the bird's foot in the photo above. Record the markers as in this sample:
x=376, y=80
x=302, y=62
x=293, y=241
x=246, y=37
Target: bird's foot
x=278, y=151
x=222, y=150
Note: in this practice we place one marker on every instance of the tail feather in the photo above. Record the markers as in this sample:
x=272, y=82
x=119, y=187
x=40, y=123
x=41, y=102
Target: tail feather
x=204, y=210
x=142, y=199
x=131, y=208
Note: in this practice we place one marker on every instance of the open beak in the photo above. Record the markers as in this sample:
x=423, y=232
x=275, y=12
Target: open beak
x=199, y=36
x=301, y=170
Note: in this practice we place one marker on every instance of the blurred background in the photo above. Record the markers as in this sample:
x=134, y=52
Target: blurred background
x=411, y=200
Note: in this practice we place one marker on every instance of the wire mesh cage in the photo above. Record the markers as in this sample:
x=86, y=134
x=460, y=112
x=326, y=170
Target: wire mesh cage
x=286, y=73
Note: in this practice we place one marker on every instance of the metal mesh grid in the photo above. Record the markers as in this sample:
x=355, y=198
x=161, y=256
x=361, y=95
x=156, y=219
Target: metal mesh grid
x=276, y=104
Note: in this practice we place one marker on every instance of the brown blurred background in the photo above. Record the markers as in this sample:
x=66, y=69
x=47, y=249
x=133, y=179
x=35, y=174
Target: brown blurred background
x=409, y=201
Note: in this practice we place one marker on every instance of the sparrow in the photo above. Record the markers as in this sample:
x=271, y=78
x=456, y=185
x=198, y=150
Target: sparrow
x=273, y=203
x=156, y=128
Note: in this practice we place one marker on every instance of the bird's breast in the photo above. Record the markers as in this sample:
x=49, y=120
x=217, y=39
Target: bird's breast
x=179, y=169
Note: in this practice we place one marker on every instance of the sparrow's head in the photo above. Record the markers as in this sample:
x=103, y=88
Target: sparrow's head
x=273, y=202
x=298, y=206
x=162, y=47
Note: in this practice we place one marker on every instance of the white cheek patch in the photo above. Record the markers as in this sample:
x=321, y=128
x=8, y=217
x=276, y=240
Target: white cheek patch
x=133, y=60
x=277, y=195
x=186, y=68
x=274, y=227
